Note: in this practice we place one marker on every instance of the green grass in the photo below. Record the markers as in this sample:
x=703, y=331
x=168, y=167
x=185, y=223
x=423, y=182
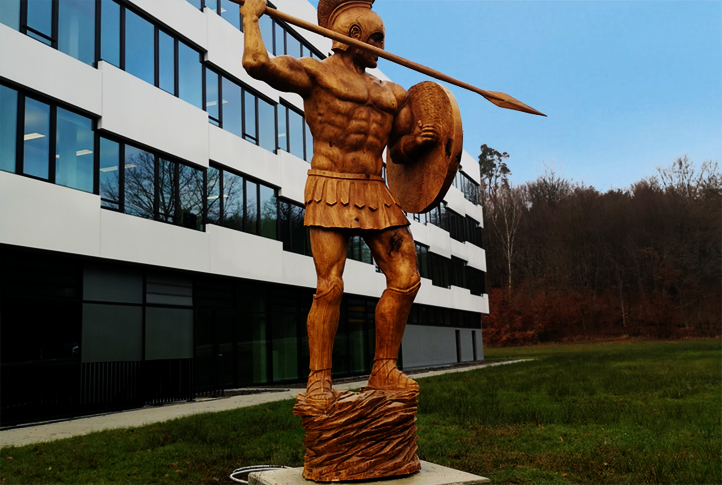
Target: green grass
x=602, y=413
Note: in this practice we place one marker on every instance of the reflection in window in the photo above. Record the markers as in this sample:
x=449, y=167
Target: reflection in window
x=76, y=29
x=190, y=196
x=249, y=117
x=213, y=214
x=109, y=174
x=190, y=75
x=295, y=134
x=10, y=13
x=239, y=208
x=266, y=25
x=282, y=131
x=212, y=106
x=36, y=138
x=231, y=107
x=233, y=201
x=74, y=151
x=268, y=212
x=292, y=230
x=251, y=207
x=8, y=127
x=231, y=12
x=279, y=46
x=293, y=46
x=110, y=32
x=266, y=125
x=39, y=21
x=299, y=234
x=139, y=47
x=139, y=187
x=166, y=62
x=309, y=143
x=166, y=190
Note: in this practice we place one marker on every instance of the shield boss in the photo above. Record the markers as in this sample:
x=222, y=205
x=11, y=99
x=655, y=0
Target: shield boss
x=421, y=184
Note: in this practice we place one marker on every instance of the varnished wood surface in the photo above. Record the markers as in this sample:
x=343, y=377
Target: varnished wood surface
x=420, y=184
x=364, y=435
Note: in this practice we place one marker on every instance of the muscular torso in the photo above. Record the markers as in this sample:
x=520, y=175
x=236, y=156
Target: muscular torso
x=350, y=115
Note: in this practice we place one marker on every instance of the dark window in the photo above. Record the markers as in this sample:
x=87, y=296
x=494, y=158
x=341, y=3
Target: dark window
x=213, y=214
x=268, y=212
x=439, y=270
x=458, y=273
x=109, y=174
x=190, y=197
x=251, y=207
x=74, y=145
x=456, y=225
x=476, y=280
x=8, y=128
x=139, y=178
x=166, y=190
x=422, y=258
x=76, y=29
x=152, y=186
x=239, y=207
x=299, y=233
x=36, y=138
x=10, y=13
x=139, y=47
x=233, y=201
x=110, y=32
x=474, y=232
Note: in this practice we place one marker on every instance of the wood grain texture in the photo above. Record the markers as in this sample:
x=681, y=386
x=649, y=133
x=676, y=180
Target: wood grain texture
x=420, y=184
x=365, y=435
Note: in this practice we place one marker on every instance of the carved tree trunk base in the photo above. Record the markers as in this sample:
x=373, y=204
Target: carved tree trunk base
x=370, y=434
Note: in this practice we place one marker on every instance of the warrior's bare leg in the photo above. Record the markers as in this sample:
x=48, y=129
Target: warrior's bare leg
x=395, y=252
x=329, y=255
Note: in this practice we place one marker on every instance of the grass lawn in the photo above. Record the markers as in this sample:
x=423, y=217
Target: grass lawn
x=597, y=413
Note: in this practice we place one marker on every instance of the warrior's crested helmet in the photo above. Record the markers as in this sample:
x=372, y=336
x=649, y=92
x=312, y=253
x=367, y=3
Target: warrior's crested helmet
x=341, y=15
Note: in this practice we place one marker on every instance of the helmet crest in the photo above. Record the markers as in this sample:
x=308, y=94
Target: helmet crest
x=328, y=10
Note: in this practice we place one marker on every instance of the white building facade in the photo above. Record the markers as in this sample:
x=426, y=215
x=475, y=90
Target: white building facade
x=151, y=215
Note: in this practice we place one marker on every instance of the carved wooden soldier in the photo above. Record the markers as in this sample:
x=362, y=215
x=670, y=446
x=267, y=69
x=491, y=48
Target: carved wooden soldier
x=353, y=116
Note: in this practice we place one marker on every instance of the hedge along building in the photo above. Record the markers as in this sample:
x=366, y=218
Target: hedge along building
x=151, y=215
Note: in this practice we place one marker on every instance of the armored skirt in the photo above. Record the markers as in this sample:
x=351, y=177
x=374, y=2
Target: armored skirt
x=350, y=201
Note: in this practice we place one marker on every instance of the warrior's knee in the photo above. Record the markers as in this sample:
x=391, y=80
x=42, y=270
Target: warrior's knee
x=330, y=290
x=409, y=287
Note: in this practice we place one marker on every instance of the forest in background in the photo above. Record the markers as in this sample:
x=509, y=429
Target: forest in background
x=566, y=261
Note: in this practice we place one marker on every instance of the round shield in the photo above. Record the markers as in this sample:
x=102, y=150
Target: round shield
x=419, y=185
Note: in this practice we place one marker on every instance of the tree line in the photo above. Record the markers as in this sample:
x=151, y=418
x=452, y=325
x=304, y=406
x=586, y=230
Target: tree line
x=566, y=261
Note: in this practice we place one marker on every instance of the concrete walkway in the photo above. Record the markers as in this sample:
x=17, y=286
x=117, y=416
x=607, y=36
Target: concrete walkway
x=138, y=417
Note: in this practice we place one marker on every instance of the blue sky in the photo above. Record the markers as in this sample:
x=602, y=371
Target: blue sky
x=627, y=85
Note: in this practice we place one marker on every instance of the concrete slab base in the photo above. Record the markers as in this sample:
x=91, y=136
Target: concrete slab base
x=430, y=474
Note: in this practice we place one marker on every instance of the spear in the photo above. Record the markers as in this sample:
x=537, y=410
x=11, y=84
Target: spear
x=502, y=100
